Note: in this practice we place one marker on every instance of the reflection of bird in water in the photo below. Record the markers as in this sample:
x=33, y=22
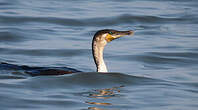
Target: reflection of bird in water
x=103, y=94
x=100, y=39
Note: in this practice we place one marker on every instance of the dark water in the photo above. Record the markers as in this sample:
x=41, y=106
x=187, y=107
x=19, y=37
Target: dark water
x=156, y=69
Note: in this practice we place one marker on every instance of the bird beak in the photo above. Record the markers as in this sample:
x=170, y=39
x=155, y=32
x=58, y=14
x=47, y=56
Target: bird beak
x=118, y=34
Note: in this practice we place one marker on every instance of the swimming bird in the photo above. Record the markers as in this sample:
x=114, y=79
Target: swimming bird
x=100, y=40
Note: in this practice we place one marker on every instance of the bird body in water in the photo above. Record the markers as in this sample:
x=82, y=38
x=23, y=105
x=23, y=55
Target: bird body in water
x=100, y=39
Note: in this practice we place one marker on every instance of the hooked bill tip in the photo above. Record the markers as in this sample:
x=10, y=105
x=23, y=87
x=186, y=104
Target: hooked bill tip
x=130, y=32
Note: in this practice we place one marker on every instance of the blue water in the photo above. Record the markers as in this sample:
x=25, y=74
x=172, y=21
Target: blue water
x=156, y=69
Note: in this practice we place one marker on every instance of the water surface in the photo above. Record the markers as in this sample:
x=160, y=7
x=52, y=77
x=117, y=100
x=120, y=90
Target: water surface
x=155, y=69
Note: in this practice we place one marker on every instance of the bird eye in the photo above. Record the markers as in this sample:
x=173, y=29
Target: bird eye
x=111, y=32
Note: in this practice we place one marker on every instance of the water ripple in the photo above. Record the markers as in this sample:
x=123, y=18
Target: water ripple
x=103, y=21
x=44, y=52
x=157, y=68
x=10, y=37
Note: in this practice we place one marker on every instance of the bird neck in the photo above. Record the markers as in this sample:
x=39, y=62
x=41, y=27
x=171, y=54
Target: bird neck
x=97, y=51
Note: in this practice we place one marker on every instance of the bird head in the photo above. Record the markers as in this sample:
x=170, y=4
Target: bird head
x=107, y=35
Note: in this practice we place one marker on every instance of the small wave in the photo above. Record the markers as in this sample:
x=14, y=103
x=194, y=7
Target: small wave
x=81, y=79
x=54, y=20
x=99, y=21
x=174, y=59
x=88, y=80
x=44, y=52
x=10, y=37
x=6, y=77
x=176, y=54
x=163, y=59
